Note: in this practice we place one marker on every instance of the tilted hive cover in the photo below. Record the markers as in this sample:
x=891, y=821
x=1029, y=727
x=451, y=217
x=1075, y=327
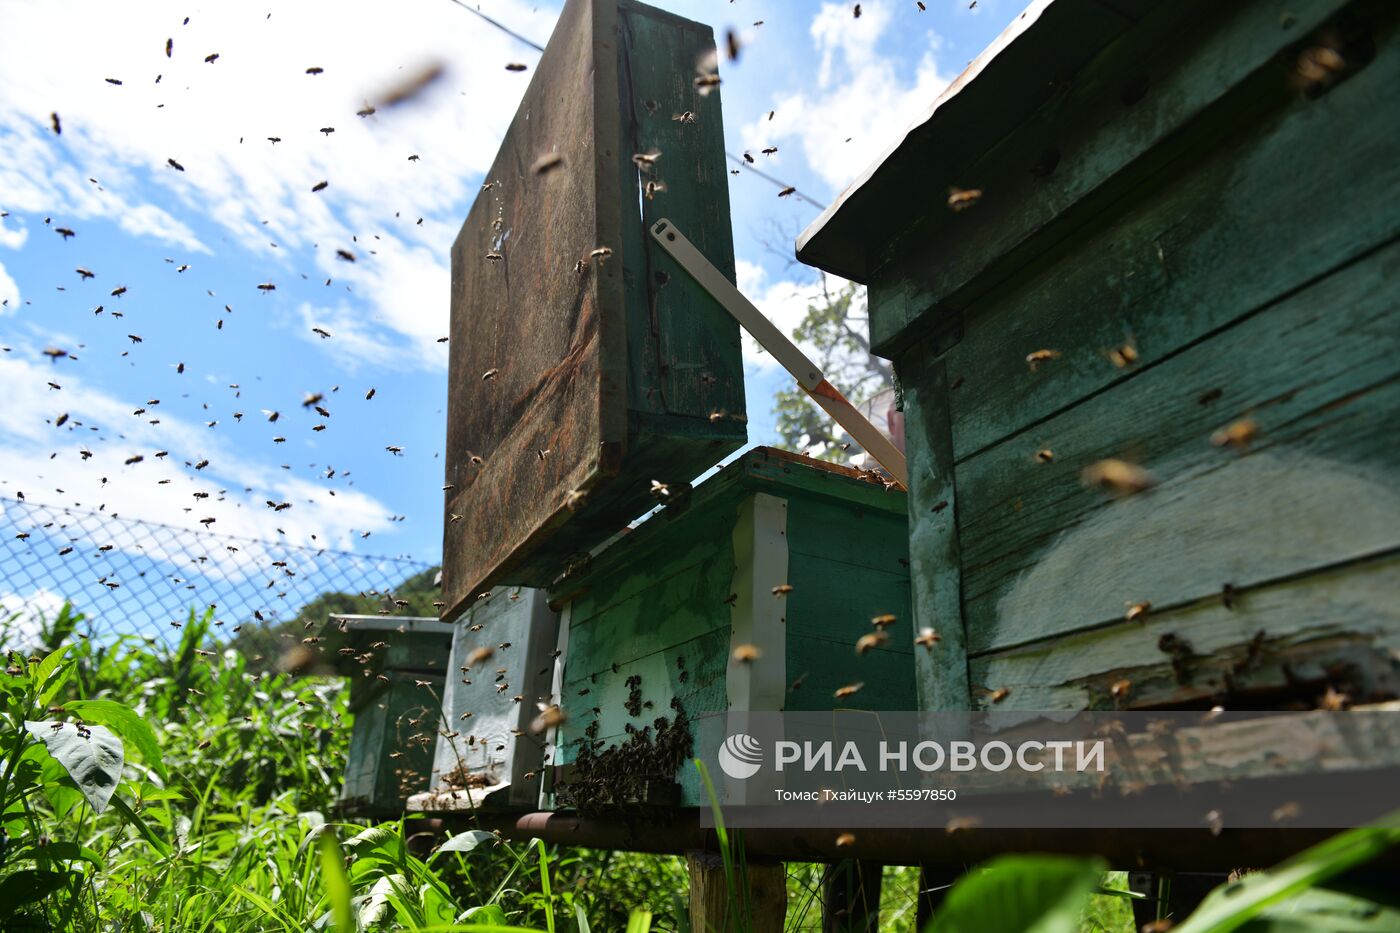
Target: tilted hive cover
x=584, y=364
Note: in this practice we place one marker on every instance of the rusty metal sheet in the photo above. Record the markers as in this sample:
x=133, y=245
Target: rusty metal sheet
x=579, y=368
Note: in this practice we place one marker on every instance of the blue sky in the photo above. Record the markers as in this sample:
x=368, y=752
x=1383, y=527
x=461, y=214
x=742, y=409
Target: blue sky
x=190, y=247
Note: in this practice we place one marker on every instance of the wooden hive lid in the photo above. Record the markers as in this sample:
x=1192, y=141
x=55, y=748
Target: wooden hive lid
x=581, y=360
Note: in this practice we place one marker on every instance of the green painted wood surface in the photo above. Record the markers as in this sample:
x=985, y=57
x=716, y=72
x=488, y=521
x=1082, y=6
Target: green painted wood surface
x=1189, y=69
x=934, y=544
x=656, y=602
x=1317, y=372
x=1224, y=234
x=1346, y=614
x=387, y=718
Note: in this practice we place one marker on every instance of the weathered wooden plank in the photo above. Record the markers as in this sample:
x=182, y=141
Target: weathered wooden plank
x=935, y=553
x=1340, y=624
x=857, y=536
x=1219, y=235
x=835, y=602
x=396, y=717
x=696, y=366
x=1316, y=373
x=1099, y=133
x=600, y=379
x=756, y=902
x=757, y=618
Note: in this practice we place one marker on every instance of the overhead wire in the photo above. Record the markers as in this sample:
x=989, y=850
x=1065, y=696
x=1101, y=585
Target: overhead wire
x=737, y=160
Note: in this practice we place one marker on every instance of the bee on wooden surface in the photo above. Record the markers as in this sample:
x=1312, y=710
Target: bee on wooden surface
x=960, y=199
x=685, y=117
x=1227, y=596
x=782, y=589
x=731, y=599
x=1117, y=476
x=1238, y=434
x=999, y=694
x=547, y=163
x=1036, y=357
x=871, y=641
x=1137, y=612
x=1045, y=455
x=849, y=690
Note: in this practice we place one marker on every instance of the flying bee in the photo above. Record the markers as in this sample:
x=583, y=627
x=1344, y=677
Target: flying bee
x=849, y=690
x=1120, y=689
x=1124, y=355
x=731, y=599
x=927, y=638
x=1036, y=357
x=746, y=654
x=175, y=165
x=845, y=840
x=1137, y=612
x=319, y=186
x=267, y=287
x=770, y=150
x=685, y=117
x=660, y=491
x=84, y=274
x=489, y=375
x=870, y=641
x=782, y=589
x=1238, y=434
x=1117, y=476
x=516, y=66
x=493, y=256
x=787, y=191
x=883, y=621
x=960, y=199
x=1045, y=455
x=999, y=694
x=601, y=254
x=652, y=188
x=646, y=161
x=479, y=655
x=547, y=163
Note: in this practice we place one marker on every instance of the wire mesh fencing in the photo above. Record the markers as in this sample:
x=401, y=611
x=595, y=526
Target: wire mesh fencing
x=129, y=577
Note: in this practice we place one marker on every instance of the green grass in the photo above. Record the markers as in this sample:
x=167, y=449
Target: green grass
x=220, y=817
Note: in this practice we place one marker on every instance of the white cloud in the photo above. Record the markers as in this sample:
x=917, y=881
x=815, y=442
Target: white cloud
x=9, y=291
x=860, y=103
x=23, y=615
x=84, y=463
x=215, y=120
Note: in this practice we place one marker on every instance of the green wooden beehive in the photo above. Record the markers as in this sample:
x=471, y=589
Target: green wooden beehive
x=650, y=628
x=584, y=363
x=1176, y=249
x=396, y=668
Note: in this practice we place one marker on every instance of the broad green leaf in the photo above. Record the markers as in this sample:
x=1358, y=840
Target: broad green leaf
x=28, y=886
x=467, y=841
x=61, y=852
x=50, y=674
x=1322, y=910
x=1228, y=907
x=1020, y=894
x=92, y=757
x=375, y=908
x=485, y=914
x=122, y=720
x=337, y=885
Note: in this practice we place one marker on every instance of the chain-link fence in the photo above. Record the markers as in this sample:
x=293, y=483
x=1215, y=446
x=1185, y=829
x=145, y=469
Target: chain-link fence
x=133, y=577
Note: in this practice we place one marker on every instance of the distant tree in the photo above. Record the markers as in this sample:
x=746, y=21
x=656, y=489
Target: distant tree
x=836, y=327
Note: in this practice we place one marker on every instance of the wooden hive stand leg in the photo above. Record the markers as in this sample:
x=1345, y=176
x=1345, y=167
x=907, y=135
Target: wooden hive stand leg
x=851, y=897
x=758, y=905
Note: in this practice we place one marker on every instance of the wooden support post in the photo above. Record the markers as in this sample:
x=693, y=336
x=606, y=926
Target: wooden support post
x=760, y=895
x=851, y=897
